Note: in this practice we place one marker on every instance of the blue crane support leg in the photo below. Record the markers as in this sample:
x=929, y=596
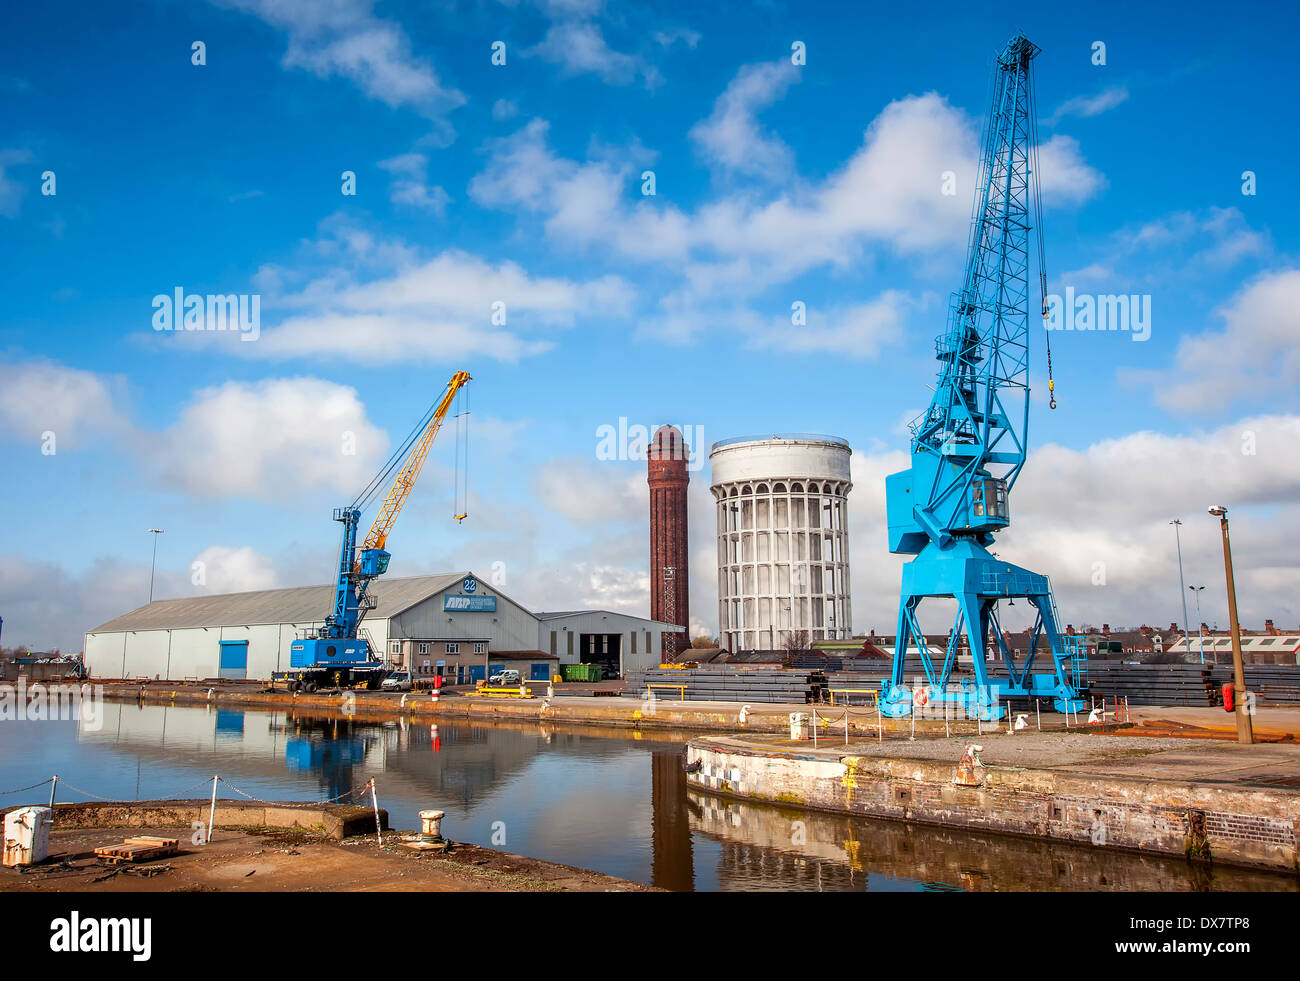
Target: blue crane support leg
x=977, y=581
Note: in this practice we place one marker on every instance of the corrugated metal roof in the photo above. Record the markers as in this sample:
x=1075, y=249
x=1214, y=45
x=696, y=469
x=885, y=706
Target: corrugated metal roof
x=614, y=613
x=302, y=604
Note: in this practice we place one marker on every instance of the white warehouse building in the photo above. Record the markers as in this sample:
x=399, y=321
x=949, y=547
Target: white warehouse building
x=783, y=539
x=453, y=625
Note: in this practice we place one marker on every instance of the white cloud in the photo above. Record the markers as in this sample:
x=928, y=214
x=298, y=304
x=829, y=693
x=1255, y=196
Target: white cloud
x=1254, y=353
x=887, y=195
x=379, y=302
x=1087, y=106
x=440, y=310
x=234, y=570
x=344, y=38
x=504, y=109
x=271, y=439
x=1063, y=173
x=76, y=406
x=47, y=607
x=1110, y=504
x=11, y=191
x=666, y=39
x=858, y=331
x=409, y=185
x=579, y=48
x=853, y=331
x=731, y=139
x=590, y=492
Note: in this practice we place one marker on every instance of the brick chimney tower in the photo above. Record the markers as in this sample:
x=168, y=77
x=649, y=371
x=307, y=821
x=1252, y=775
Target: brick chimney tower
x=669, y=578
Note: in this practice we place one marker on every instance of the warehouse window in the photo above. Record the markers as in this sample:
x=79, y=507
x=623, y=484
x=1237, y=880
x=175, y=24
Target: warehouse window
x=453, y=648
x=395, y=647
x=480, y=648
x=424, y=648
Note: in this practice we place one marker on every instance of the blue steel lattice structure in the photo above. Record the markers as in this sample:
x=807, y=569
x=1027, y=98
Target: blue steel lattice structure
x=969, y=446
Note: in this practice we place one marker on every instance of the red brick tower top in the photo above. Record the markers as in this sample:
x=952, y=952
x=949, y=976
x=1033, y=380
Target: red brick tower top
x=669, y=582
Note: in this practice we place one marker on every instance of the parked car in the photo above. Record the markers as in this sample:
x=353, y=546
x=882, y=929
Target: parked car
x=507, y=676
x=396, y=681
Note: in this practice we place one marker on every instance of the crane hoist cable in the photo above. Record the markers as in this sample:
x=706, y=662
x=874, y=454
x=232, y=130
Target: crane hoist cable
x=460, y=502
x=414, y=450
x=1036, y=194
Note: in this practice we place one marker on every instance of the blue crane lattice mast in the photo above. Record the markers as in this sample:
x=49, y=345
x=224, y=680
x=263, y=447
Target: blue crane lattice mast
x=969, y=446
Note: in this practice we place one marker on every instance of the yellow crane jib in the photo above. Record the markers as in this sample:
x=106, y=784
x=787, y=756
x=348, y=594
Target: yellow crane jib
x=410, y=472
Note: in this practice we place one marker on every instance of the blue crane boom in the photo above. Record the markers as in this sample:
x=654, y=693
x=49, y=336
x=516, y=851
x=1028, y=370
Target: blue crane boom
x=969, y=447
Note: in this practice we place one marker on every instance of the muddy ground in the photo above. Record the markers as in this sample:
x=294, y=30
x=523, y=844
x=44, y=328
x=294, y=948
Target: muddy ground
x=275, y=860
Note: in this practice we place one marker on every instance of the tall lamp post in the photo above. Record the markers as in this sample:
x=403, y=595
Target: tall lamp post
x=1245, y=734
x=1187, y=636
x=1200, y=630
x=153, y=562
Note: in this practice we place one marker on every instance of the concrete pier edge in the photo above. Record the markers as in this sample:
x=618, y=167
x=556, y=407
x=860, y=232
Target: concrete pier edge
x=1249, y=827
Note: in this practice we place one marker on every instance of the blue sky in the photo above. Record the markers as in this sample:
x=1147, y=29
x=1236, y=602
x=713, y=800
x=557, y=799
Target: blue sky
x=476, y=183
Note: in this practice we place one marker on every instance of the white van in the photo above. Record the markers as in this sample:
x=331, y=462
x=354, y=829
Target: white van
x=507, y=676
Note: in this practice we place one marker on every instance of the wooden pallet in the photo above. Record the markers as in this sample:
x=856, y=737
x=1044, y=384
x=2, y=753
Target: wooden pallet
x=141, y=848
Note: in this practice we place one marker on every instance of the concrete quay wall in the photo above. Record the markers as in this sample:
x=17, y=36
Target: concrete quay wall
x=1237, y=826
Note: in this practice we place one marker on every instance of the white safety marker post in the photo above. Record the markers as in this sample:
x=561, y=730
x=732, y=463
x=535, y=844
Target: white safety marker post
x=374, y=799
x=213, y=812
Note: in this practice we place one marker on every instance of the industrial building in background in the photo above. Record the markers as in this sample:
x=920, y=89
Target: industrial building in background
x=669, y=579
x=783, y=540
x=454, y=625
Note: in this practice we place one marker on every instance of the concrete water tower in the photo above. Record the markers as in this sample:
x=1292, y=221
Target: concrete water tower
x=783, y=539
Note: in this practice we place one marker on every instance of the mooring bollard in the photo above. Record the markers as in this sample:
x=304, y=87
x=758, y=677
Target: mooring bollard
x=431, y=823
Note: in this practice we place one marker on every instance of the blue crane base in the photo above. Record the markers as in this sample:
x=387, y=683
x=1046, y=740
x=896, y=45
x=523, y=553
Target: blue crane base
x=964, y=571
x=329, y=652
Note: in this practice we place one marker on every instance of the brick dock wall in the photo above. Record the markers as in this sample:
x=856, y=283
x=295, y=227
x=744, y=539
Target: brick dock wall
x=1253, y=828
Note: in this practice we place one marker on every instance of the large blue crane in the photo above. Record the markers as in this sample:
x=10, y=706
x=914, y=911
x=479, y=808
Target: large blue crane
x=970, y=445
x=335, y=653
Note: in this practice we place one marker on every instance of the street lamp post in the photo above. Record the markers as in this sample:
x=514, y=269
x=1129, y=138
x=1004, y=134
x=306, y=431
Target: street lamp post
x=154, y=561
x=1245, y=734
x=1200, y=630
x=1187, y=636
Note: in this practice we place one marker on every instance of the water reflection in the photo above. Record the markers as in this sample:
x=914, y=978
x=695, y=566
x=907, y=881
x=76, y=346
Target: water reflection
x=600, y=799
x=767, y=847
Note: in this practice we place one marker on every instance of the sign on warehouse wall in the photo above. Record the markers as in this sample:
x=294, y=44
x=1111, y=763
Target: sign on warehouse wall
x=469, y=604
